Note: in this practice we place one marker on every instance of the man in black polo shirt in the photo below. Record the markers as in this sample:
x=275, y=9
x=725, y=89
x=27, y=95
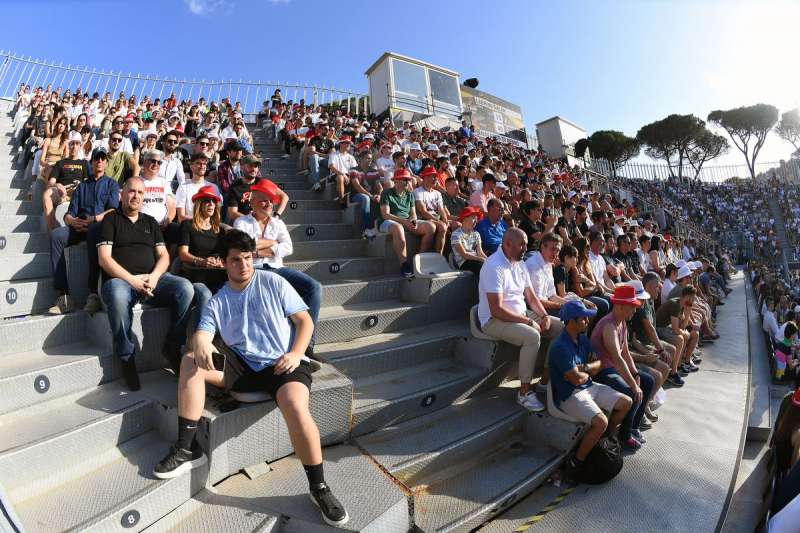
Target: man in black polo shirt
x=628, y=258
x=134, y=260
x=238, y=198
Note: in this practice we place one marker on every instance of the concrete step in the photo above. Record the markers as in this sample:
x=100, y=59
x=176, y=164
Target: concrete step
x=313, y=205
x=23, y=243
x=392, y=397
x=48, y=437
x=368, y=356
x=22, y=223
x=237, y=436
x=374, y=503
x=26, y=297
x=9, y=195
x=18, y=207
x=39, y=374
x=341, y=323
x=306, y=217
x=437, y=440
x=117, y=495
x=321, y=232
x=41, y=332
x=310, y=250
x=347, y=292
x=337, y=268
x=25, y=266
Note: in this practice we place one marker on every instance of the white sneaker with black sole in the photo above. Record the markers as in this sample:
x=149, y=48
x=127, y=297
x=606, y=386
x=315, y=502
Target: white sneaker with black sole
x=179, y=461
x=530, y=402
x=333, y=512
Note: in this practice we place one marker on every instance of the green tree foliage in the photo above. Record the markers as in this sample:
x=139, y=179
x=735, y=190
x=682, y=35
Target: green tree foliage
x=788, y=128
x=671, y=138
x=580, y=147
x=613, y=146
x=705, y=147
x=748, y=128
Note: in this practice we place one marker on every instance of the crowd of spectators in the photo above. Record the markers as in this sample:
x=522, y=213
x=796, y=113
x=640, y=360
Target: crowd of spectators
x=170, y=197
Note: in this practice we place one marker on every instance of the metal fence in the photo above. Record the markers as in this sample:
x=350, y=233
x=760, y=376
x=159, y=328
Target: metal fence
x=17, y=69
x=786, y=170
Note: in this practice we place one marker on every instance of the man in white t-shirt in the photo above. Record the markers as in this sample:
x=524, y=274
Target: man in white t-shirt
x=171, y=166
x=187, y=189
x=597, y=263
x=430, y=206
x=159, y=201
x=504, y=288
x=385, y=163
x=340, y=164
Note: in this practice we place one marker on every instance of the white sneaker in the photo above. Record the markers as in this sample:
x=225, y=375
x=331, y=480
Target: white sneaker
x=530, y=402
x=317, y=187
x=62, y=306
x=285, y=156
x=93, y=304
x=369, y=233
x=302, y=172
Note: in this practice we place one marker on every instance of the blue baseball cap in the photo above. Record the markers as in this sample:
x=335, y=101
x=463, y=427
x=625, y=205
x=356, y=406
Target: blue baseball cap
x=575, y=309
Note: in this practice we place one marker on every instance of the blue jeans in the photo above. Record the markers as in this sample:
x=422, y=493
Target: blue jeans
x=309, y=289
x=171, y=291
x=317, y=167
x=364, y=202
x=202, y=294
x=603, y=306
x=61, y=238
x=610, y=377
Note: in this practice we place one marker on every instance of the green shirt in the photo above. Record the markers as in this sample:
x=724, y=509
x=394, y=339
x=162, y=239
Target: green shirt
x=399, y=204
x=667, y=310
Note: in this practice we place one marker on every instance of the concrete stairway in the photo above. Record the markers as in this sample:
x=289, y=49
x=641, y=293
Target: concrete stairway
x=416, y=430
x=780, y=230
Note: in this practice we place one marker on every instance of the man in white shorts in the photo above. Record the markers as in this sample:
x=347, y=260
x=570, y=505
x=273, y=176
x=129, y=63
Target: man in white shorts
x=573, y=390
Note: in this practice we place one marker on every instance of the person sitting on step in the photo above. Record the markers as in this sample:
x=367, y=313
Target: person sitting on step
x=399, y=215
x=266, y=327
x=340, y=164
x=238, y=199
x=92, y=200
x=571, y=369
x=273, y=244
x=504, y=288
x=64, y=177
x=132, y=253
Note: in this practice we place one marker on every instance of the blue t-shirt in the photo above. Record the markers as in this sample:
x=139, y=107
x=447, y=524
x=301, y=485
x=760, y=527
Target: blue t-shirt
x=254, y=321
x=491, y=234
x=564, y=355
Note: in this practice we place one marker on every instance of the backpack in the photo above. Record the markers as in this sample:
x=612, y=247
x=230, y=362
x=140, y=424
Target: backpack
x=603, y=463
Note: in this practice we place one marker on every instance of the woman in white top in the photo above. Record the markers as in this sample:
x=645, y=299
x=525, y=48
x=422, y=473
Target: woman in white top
x=186, y=190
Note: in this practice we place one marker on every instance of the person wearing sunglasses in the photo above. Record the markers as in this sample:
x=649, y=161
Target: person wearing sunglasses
x=121, y=165
x=159, y=201
x=172, y=165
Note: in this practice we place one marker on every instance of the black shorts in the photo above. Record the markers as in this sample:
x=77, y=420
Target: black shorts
x=240, y=377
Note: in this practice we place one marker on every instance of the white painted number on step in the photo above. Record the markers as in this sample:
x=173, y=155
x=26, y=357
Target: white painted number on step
x=334, y=268
x=11, y=296
x=292, y=205
x=2, y=242
x=372, y=321
x=41, y=384
x=428, y=400
x=130, y=519
x=311, y=231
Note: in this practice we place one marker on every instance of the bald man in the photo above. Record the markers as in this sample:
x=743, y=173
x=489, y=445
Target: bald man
x=504, y=289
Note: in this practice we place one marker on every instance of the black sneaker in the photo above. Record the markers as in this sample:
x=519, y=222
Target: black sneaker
x=406, y=271
x=683, y=372
x=696, y=359
x=332, y=511
x=691, y=367
x=676, y=380
x=172, y=353
x=179, y=461
x=130, y=373
x=570, y=475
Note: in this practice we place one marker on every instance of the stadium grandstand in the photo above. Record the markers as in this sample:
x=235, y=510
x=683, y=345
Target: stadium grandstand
x=252, y=306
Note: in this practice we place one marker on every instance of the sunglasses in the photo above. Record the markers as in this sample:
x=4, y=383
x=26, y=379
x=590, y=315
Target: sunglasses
x=154, y=161
x=115, y=139
x=203, y=144
x=171, y=141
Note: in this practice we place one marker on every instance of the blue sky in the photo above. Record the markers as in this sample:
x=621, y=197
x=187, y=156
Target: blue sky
x=603, y=65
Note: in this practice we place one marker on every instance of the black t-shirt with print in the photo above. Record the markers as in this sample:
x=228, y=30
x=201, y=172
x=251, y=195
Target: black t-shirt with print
x=530, y=229
x=132, y=243
x=322, y=145
x=239, y=195
x=67, y=171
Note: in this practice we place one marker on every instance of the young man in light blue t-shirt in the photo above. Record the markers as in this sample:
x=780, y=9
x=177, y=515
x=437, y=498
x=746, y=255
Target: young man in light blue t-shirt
x=267, y=328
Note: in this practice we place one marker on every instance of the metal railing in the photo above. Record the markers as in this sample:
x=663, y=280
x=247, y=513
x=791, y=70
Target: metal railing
x=17, y=69
x=787, y=170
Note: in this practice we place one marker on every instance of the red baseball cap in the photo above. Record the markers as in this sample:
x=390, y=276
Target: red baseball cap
x=402, y=174
x=345, y=139
x=427, y=171
x=625, y=295
x=469, y=211
x=206, y=191
x=267, y=188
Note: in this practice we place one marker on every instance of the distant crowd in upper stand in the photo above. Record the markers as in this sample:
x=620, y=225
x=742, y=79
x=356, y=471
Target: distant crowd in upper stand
x=171, y=199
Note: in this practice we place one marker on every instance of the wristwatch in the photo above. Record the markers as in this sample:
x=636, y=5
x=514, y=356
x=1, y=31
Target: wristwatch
x=277, y=215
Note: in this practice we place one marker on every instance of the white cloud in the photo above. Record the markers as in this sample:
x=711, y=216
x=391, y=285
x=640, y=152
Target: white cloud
x=203, y=7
